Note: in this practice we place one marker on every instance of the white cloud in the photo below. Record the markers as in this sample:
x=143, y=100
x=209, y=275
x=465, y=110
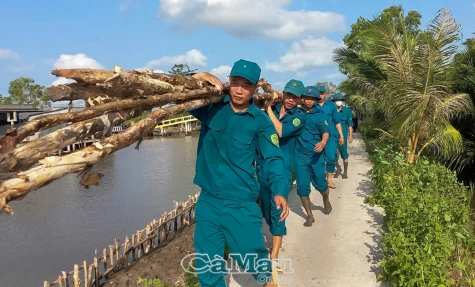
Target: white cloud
x=158, y=71
x=305, y=55
x=76, y=61
x=62, y=81
x=192, y=58
x=8, y=54
x=222, y=72
x=249, y=18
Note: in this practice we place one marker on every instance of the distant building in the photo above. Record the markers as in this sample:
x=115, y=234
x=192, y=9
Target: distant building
x=15, y=116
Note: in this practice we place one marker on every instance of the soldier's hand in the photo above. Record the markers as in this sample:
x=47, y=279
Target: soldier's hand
x=342, y=140
x=319, y=147
x=211, y=79
x=282, y=203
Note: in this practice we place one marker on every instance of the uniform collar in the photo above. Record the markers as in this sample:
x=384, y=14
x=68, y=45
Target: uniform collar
x=250, y=110
x=277, y=108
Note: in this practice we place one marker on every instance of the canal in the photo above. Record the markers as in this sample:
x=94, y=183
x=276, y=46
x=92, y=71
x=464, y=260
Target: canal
x=62, y=224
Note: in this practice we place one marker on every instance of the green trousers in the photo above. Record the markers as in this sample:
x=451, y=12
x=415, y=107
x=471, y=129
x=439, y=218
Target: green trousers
x=237, y=224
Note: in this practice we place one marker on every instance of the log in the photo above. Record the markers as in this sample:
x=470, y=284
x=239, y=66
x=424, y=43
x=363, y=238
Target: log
x=52, y=168
x=152, y=101
x=124, y=84
x=28, y=155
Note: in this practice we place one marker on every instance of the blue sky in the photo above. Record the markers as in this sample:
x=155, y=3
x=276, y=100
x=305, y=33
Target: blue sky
x=288, y=39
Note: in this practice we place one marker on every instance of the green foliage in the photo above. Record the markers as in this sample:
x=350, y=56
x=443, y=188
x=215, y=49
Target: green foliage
x=427, y=241
x=138, y=118
x=191, y=279
x=181, y=69
x=5, y=101
x=25, y=91
x=331, y=87
x=404, y=73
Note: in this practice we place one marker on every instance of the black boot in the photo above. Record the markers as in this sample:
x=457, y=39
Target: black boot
x=326, y=202
x=345, y=172
x=306, y=205
x=338, y=170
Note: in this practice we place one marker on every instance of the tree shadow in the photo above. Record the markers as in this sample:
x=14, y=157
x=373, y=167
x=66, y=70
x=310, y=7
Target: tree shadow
x=375, y=255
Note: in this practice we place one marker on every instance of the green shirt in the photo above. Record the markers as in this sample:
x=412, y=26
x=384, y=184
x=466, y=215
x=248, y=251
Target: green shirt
x=346, y=119
x=227, y=148
x=315, y=126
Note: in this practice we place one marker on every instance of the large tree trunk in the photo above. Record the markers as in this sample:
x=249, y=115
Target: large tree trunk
x=52, y=168
x=27, y=155
x=48, y=121
x=126, y=84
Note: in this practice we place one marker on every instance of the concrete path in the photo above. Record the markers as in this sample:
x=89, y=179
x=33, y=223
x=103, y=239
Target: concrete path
x=340, y=249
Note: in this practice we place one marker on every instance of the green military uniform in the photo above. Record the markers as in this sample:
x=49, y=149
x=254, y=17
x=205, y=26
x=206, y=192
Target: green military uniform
x=292, y=124
x=310, y=166
x=346, y=120
x=333, y=119
x=226, y=211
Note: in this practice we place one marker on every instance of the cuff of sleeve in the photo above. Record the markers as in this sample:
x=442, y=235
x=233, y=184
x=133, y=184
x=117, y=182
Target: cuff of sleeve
x=281, y=189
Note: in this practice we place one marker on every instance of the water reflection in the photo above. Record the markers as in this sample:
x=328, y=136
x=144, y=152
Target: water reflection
x=61, y=224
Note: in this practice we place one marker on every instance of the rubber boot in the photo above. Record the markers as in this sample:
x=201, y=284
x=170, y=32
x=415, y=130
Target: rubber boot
x=327, y=207
x=338, y=170
x=345, y=172
x=306, y=205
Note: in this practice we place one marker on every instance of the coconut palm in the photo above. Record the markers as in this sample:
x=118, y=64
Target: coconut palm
x=407, y=76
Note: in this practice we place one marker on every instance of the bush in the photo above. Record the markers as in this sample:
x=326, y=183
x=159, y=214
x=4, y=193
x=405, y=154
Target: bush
x=426, y=241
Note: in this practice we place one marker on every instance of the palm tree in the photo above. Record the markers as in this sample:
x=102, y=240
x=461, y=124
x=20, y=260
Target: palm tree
x=407, y=77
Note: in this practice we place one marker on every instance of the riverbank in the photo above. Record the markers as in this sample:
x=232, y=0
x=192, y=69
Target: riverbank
x=164, y=264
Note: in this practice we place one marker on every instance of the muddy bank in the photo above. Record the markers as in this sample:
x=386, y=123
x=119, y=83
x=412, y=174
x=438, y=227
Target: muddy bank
x=164, y=264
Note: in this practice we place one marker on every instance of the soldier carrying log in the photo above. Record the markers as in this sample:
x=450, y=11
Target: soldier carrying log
x=233, y=131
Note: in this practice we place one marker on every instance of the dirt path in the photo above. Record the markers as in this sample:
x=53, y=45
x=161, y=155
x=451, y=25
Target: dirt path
x=340, y=249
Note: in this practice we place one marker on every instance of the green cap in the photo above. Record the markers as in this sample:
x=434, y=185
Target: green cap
x=295, y=87
x=246, y=69
x=338, y=97
x=312, y=91
x=323, y=89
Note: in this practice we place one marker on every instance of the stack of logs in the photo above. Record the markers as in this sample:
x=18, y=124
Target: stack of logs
x=112, y=97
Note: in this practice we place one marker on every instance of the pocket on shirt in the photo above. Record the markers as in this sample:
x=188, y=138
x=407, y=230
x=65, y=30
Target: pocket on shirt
x=215, y=124
x=242, y=142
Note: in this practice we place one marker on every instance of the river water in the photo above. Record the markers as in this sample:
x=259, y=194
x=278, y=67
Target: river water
x=62, y=224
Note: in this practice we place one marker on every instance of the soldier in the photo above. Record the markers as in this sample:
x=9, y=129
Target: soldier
x=288, y=121
x=347, y=127
x=310, y=162
x=336, y=134
x=232, y=132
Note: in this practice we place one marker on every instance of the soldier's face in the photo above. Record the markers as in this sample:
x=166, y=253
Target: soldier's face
x=241, y=90
x=290, y=100
x=308, y=102
x=323, y=96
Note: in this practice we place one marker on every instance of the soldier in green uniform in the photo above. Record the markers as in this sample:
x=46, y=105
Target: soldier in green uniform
x=336, y=134
x=346, y=120
x=232, y=131
x=310, y=161
x=288, y=121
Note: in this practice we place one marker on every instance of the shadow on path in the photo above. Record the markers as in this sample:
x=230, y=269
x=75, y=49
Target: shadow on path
x=375, y=254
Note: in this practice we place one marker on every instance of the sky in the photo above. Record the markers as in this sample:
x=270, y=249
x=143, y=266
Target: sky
x=289, y=39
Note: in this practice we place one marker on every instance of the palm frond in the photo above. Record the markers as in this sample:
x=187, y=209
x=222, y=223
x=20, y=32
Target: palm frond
x=454, y=106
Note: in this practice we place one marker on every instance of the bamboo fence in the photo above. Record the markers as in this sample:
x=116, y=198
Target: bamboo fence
x=119, y=256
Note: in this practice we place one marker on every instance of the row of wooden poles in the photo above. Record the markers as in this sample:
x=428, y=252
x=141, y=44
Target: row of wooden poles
x=119, y=256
